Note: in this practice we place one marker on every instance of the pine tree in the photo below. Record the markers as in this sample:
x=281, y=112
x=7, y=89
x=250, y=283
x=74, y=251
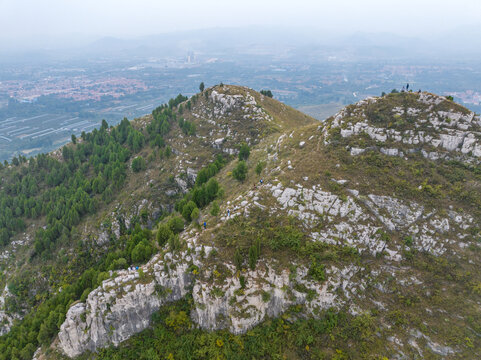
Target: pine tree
x=240, y=171
x=238, y=259
x=244, y=151
x=259, y=167
x=258, y=246
x=252, y=257
x=163, y=234
x=215, y=209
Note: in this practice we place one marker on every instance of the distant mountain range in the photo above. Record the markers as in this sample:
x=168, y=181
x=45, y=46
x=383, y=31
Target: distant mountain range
x=464, y=41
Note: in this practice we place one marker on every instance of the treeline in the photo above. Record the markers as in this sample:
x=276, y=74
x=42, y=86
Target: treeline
x=64, y=191
x=163, y=116
x=94, y=166
x=267, y=93
x=60, y=191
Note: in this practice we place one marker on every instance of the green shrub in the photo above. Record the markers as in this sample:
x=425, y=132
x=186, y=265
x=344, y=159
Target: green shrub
x=317, y=271
x=253, y=255
x=142, y=252
x=217, y=292
x=259, y=167
x=215, y=209
x=195, y=214
x=85, y=294
x=187, y=127
x=174, y=242
x=176, y=224
x=120, y=263
x=361, y=327
x=384, y=236
x=258, y=247
x=138, y=164
x=244, y=151
x=242, y=281
x=211, y=190
x=238, y=259
x=177, y=320
x=240, y=171
x=288, y=237
x=408, y=241
x=164, y=232
x=188, y=209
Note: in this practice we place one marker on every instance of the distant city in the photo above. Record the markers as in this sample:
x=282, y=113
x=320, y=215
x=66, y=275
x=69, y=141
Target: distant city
x=43, y=102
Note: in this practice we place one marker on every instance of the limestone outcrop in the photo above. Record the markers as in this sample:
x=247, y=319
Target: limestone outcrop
x=439, y=128
x=122, y=306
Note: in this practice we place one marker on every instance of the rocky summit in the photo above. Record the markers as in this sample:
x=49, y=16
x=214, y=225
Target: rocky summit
x=244, y=229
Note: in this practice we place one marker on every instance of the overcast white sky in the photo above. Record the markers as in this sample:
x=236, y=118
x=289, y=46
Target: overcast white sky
x=29, y=19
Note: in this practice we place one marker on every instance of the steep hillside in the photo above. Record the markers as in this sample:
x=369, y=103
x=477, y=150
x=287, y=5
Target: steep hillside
x=355, y=238
x=69, y=218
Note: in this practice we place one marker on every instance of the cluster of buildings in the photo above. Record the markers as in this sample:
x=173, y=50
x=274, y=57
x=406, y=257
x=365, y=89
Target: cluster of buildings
x=78, y=88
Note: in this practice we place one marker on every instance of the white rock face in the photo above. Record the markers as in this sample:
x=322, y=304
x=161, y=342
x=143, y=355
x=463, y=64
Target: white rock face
x=391, y=152
x=345, y=222
x=225, y=107
x=371, y=223
x=225, y=104
x=267, y=293
x=121, y=307
x=191, y=175
x=181, y=183
x=357, y=151
x=400, y=214
x=354, y=220
x=6, y=320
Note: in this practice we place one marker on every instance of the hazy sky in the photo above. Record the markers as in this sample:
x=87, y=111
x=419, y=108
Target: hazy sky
x=22, y=20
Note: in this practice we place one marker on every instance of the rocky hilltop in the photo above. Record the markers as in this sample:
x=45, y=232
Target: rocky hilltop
x=366, y=224
x=423, y=122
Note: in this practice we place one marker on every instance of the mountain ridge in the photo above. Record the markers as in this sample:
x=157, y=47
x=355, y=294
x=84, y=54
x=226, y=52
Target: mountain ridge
x=374, y=236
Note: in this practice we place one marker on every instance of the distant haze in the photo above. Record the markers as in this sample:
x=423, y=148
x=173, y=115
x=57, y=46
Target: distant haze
x=32, y=24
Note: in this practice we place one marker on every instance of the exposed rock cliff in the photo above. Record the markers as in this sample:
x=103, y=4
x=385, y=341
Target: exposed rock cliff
x=122, y=306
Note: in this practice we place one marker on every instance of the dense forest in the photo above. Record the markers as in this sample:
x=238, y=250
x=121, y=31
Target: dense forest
x=58, y=191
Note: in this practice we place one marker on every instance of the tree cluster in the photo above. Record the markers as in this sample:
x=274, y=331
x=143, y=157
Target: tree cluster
x=61, y=192
x=267, y=93
x=205, y=190
x=188, y=127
